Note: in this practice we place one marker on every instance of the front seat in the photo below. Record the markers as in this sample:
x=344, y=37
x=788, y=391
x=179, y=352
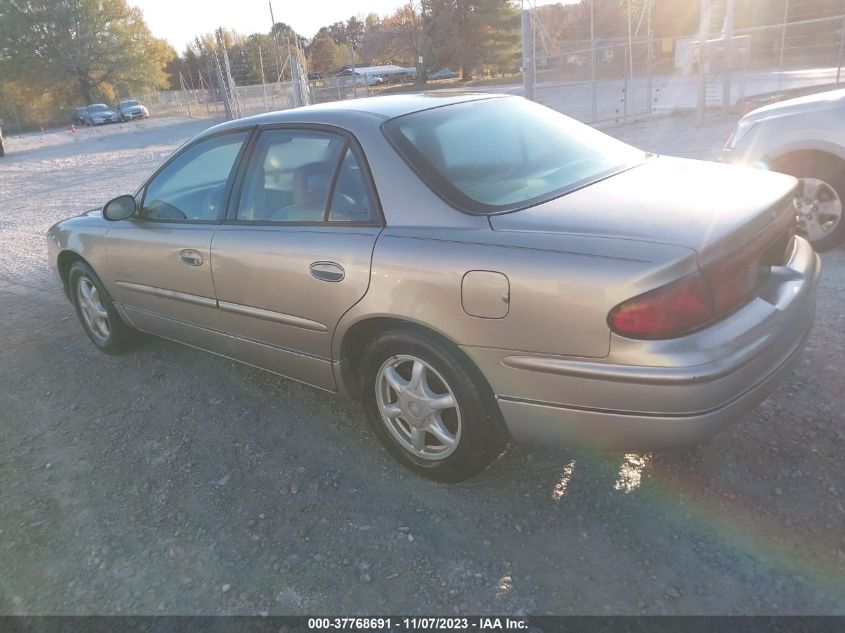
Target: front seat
x=311, y=184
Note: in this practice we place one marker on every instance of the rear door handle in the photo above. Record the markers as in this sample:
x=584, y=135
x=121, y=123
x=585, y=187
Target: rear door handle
x=191, y=257
x=327, y=271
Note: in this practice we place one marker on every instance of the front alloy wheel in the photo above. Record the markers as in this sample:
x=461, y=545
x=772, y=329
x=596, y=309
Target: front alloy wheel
x=93, y=312
x=97, y=313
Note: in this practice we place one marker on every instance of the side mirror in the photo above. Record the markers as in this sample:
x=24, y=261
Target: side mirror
x=121, y=208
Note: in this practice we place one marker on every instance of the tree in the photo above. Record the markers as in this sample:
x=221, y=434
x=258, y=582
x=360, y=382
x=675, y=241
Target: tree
x=95, y=49
x=474, y=34
x=325, y=55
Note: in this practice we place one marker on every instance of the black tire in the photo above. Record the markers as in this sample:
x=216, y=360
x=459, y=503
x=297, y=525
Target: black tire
x=121, y=337
x=825, y=168
x=482, y=435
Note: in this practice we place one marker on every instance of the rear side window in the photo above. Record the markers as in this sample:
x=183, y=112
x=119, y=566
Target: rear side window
x=307, y=176
x=352, y=200
x=498, y=155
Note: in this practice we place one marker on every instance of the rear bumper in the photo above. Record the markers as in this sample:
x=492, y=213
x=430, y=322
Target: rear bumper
x=680, y=392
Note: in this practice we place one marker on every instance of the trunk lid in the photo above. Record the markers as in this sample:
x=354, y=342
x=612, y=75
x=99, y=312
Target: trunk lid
x=712, y=208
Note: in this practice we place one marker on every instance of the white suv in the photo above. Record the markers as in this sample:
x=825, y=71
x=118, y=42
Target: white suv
x=805, y=138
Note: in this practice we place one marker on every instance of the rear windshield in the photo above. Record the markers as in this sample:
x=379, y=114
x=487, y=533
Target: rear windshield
x=498, y=155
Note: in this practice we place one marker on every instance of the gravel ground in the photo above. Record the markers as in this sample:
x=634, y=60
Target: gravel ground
x=173, y=481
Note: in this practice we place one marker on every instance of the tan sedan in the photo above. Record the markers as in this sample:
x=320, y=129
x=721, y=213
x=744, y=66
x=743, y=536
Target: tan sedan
x=473, y=268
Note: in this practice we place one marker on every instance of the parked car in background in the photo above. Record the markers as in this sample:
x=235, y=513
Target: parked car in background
x=473, y=268
x=445, y=73
x=803, y=137
x=79, y=116
x=2, y=142
x=369, y=80
x=132, y=109
x=99, y=114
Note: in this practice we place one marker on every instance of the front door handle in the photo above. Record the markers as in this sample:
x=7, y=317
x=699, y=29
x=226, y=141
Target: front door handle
x=191, y=257
x=327, y=271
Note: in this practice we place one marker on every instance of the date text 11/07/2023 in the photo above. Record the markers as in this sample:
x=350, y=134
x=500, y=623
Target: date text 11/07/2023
x=419, y=623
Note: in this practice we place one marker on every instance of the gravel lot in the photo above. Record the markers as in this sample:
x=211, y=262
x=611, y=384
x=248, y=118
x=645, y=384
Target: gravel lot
x=172, y=481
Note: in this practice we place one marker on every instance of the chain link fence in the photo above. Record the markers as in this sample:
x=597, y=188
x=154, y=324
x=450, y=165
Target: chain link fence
x=613, y=79
x=603, y=79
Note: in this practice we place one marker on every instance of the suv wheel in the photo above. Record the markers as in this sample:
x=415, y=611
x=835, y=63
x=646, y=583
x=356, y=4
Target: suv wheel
x=820, y=198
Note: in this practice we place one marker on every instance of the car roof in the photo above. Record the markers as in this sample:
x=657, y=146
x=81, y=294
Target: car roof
x=383, y=108
x=386, y=107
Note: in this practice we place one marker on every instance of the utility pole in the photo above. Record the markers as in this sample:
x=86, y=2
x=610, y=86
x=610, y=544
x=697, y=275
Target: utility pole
x=527, y=58
x=729, y=56
x=703, y=36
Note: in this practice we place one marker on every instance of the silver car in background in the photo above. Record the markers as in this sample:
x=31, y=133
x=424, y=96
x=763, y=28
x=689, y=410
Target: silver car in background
x=803, y=137
x=472, y=268
x=132, y=109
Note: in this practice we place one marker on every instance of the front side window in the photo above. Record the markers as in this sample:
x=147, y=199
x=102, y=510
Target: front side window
x=304, y=176
x=499, y=155
x=192, y=186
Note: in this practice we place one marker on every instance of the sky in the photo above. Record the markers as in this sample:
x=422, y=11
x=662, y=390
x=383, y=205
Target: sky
x=179, y=21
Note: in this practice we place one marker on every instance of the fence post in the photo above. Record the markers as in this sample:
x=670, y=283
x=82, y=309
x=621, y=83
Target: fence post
x=593, y=58
x=263, y=80
x=527, y=56
x=841, y=53
x=782, y=44
x=222, y=88
x=729, y=56
x=649, y=63
x=703, y=36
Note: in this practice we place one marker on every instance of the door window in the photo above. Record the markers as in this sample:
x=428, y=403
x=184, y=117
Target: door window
x=193, y=185
x=303, y=176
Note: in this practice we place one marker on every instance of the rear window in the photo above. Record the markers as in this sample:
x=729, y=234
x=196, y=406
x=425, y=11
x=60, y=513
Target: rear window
x=498, y=155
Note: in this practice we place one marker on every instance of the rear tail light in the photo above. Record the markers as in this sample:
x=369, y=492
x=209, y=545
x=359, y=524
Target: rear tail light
x=678, y=308
x=702, y=298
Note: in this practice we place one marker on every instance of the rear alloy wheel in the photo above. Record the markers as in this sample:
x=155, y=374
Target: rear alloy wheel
x=97, y=313
x=429, y=406
x=418, y=407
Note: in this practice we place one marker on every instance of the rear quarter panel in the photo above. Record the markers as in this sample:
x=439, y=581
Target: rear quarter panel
x=561, y=287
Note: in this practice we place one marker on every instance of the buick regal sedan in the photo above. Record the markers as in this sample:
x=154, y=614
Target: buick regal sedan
x=472, y=268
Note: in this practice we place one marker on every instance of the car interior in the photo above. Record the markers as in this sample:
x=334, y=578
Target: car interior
x=290, y=179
